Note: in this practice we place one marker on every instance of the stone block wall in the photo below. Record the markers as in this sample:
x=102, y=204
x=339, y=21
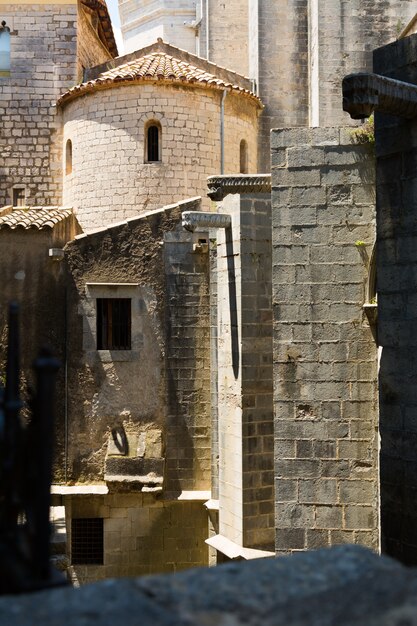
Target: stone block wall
x=141, y=535
x=43, y=65
x=187, y=361
x=108, y=127
x=163, y=382
x=396, y=147
x=245, y=372
x=325, y=357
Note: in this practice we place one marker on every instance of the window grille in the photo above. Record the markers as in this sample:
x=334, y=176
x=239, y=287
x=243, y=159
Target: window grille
x=114, y=319
x=87, y=541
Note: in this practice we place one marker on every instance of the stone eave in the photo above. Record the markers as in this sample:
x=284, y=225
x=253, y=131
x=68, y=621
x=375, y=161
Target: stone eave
x=221, y=186
x=88, y=88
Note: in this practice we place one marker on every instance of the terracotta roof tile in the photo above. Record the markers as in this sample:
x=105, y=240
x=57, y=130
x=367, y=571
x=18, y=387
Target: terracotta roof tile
x=36, y=218
x=157, y=66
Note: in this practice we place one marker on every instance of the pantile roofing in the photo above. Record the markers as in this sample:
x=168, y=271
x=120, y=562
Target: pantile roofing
x=156, y=66
x=36, y=218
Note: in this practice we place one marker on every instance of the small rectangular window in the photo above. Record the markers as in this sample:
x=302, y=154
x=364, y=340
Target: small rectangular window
x=19, y=196
x=87, y=541
x=114, y=320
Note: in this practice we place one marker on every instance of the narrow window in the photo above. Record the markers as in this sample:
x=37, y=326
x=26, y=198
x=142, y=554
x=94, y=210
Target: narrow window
x=114, y=323
x=4, y=50
x=68, y=157
x=243, y=157
x=153, y=142
x=19, y=196
x=87, y=541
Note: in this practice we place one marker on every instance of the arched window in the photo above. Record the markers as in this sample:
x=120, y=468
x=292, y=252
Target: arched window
x=153, y=135
x=243, y=157
x=68, y=157
x=4, y=50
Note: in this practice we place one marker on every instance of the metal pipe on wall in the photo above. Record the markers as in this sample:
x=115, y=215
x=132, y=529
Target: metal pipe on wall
x=224, y=94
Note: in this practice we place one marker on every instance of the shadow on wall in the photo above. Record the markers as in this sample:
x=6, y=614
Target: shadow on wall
x=234, y=328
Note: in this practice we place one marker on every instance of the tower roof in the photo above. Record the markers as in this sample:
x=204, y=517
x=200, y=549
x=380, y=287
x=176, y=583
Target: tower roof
x=156, y=65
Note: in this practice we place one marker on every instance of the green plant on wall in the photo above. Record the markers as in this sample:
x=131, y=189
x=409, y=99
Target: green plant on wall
x=365, y=134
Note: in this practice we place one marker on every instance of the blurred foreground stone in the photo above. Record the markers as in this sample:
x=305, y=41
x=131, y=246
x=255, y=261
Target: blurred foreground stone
x=339, y=586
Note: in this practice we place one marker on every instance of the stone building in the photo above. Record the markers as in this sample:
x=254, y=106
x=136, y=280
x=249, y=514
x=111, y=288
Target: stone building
x=218, y=397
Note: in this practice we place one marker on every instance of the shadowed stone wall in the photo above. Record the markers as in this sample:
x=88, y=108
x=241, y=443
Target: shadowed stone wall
x=245, y=372
x=397, y=317
x=325, y=357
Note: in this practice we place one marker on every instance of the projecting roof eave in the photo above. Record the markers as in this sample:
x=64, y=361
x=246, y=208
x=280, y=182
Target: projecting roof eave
x=98, y=85
x=100, y=7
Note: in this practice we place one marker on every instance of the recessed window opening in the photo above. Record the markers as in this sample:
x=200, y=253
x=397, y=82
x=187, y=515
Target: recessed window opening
x=244, y=157
x=153, y=142
x=114, y=321
x=68, y=157
x=87, y=541
x=18, y=196
x=4, y=49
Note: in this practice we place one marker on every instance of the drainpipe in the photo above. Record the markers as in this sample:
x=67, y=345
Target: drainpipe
x=207, y=30
x=66, y=387
x=224, y=94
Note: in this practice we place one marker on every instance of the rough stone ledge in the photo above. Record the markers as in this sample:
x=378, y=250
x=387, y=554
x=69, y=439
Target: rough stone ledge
x=364, y=93
x=345, y=585
x=221, y=186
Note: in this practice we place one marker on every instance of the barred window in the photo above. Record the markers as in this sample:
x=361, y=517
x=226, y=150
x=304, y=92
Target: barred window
x=114, y=320
x=87, y=541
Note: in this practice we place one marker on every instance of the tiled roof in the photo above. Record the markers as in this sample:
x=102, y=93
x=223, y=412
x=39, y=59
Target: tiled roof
x=102, y=11
x=157, y=66
x=36, y=218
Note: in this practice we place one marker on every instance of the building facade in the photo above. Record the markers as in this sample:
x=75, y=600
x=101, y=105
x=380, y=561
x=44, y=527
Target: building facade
x=218, y=397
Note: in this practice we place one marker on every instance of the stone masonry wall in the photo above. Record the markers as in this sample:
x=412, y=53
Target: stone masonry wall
x=43, y=65
x=142, y=535
x=228, y=35
x=245, y=372
x=348, y=32
x=396, y=148
x=90, y=49
x=325, y=357
x=163, y=382
x=283, y=68
x=108, y=127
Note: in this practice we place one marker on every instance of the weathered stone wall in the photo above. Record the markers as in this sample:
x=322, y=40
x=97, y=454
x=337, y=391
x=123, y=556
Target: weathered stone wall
x=228, y=29
x=37, y=282
x=325, y=357
x=244, y=341
x=90, y=50
x=163, y=382
x=283, y=68
x=397, y=288
x=142, y=534
x=43, y=65
x=347, y=585
x=162, y=385
x=108, y=127
x=143, y=22
x=348, y=32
